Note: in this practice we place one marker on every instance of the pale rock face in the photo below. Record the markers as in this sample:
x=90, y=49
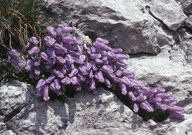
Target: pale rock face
x=156, y=34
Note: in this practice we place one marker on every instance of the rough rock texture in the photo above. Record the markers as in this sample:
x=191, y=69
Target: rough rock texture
x=134, y=26
x=157, y=35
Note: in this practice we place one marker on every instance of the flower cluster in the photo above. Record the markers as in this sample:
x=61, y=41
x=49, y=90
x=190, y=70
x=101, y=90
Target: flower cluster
x=61, y=61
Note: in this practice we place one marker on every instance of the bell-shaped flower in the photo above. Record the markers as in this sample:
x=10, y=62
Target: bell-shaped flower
x=35, y=50
x=74, y=80
x=123, y=89
x=14, y=53
x=99, y=76
x=92, y=84
x=68, y=29
x=154, y=99
x=45, y=90
x=169, y=101
x=117, y=50
x=69, y=59
x=121, y=56
x=40, y=84
x=60, y=60
x=51, y=31
x=135, y=107
x=66, y=81
x=59, y=49
x=132, y=96
x=73, y=72
x=146, y=106
x=160, y=106
x=50, y=52
x=101, y=40
x=33, y=40
x=49, y=41
x=50, y=79
x=108, y=83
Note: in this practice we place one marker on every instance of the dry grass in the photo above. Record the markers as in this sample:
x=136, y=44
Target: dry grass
x=19, y=19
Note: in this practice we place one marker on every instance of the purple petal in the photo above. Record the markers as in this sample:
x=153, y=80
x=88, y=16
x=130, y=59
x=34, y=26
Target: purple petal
x=50, y=52
x=121, y=56
x=58, y=74
x=108, y=83
x=146, y=106
x=162, y=95
x=135, y=107
x=57, y=84
x=111, y=55
x=50, y=79
x=117, y=50
x=91, y=74
x=123, y=89
x=49, y=41
x=46, y=93
x=154, y=99
x=69, y=59
x=35, y=50
x=169, y=100
x=40, y=84
x=51, y=31
x=68, y=29
x=66, y=81
x=33, y=41
x=60, y=60
x=99, y=76
x=131, y=96
x=141, y=98
x=14, y=53
x=44, y=56
x=74, y=80
x=101, y=40
x=73, y=72
x=160, y=106
x=59, y=48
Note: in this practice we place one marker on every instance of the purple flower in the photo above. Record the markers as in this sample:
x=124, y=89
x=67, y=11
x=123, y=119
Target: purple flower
x=33, y=40
x=101, y=40
x=68, y=29
x=59, y=49
x=50, y=52
x=146, y=106
x=135, y=107
x=99, y=76
x=66, y=81
x=73, y=72
x=40, y=84
x=49, y=41
x=44, y=56
x=14, y=53
x=35, y=50
x=121, y=56
x=117, y=50
x=50, y=79
x=123, y=89
x=46, y=93
x=51, y=31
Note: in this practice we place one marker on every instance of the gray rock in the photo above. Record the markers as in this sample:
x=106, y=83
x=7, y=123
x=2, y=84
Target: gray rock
x=188, y=22
x=186, y=5
x=85, y=114
x=13, y=97
x=169, y=12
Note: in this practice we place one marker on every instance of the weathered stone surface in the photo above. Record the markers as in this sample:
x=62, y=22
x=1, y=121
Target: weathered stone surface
x=83, y=115
x=187, y=6
x=13, y=97
x=169, y=12
x=188, y=22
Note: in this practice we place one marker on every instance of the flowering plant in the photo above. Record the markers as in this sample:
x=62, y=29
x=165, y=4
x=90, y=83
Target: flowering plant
x=61, y=62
